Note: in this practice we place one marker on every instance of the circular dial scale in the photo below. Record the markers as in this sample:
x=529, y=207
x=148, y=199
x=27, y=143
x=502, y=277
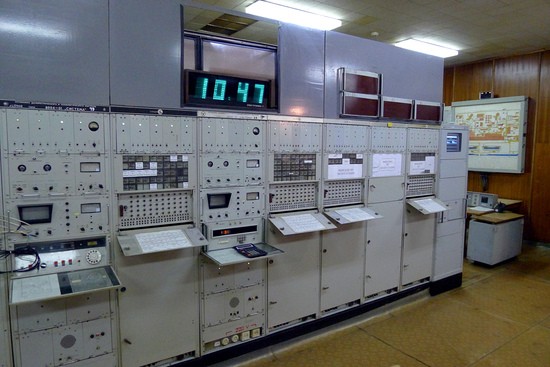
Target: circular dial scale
x=93, y=257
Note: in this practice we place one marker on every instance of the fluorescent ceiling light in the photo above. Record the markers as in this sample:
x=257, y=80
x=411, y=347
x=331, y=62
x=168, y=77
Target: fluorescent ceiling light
x=290, y=15
x=426, y=48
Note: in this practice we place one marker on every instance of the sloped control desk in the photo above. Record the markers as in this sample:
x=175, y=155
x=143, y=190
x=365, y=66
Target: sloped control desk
x=495, y=237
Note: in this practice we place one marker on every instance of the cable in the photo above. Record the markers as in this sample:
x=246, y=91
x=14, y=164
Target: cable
x=8, y=223
x=19, y=253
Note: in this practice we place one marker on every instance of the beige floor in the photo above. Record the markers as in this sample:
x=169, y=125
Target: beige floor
x=499, y=317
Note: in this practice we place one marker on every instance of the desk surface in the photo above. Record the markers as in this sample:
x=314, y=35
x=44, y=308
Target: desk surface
x=496, y=218
x=508, y=202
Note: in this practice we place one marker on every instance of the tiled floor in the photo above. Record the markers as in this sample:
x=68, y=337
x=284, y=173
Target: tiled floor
x=499, y=317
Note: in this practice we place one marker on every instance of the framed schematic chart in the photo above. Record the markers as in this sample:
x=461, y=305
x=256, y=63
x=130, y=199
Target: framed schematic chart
x=497, y=133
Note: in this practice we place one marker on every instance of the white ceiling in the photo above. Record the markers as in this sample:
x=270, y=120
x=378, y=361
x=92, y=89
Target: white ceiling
x=479, y=29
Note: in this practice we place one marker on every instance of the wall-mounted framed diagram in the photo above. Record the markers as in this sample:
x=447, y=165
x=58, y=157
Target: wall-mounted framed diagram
x=497, y=133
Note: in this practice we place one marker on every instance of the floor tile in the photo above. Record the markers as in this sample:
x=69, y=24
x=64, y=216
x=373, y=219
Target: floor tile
x=472, y=273
x=531, y=349
x=445, y=333
x=509, y=294
x=500, y=317
x=534, y=261
x=352, y=348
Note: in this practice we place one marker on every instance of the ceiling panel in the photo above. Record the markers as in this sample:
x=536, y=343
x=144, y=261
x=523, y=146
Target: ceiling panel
x=480, y=29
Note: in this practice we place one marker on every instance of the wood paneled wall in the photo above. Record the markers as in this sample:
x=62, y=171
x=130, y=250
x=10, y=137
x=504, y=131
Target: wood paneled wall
x=525, y=75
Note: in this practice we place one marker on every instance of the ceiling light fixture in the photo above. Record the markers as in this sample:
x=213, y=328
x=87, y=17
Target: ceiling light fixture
x=290, y=15
x=426, y=48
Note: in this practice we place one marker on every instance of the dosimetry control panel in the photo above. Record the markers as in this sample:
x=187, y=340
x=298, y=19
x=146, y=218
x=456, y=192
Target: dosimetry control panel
x=155, y=170
x=56, y=173
x=294, y=165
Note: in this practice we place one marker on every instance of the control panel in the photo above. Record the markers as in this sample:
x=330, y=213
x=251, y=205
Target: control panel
x=389, y=139
x=57, y=256
x=232, y=203
x=152, y=172
x=48, y=219
x=224, y=234
x=232, y=135
x=294, y=165
x=31, y=131
x=56, y=175
x=422, y=146
x=154, y=208
x=47, y=175
x=232, y=177
x=150, y=134
x=346, y=149
x=230, y=169
x=388, y=146
x=155, y=169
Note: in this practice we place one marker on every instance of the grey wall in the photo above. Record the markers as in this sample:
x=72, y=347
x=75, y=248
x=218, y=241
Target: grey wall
x=145, y=53
x=54, y=51
x=406, y=74
x=128, y=52
x=301, y=71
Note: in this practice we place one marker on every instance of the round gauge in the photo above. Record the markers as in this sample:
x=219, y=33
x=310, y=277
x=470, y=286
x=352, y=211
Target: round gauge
x=47, y=167
x=256, y=130
x=93, y=126
x=21, y=168
x=93, y=257
x=210, y=163
x=235, y=338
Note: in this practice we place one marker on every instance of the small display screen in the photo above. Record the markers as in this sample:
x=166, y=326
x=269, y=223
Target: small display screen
x=202, y=88
x=454, y=142
x=234, y=231
x=90, y=208
x=252, y=196
x=218, y=201
x=90, y=167
x=34, y=214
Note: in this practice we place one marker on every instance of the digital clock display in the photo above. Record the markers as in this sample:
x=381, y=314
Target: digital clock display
x=208, y=89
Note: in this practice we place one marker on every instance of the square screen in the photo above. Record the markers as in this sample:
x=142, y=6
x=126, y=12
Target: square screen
x=35, y=214
x=218, y=201
x=454, y=142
